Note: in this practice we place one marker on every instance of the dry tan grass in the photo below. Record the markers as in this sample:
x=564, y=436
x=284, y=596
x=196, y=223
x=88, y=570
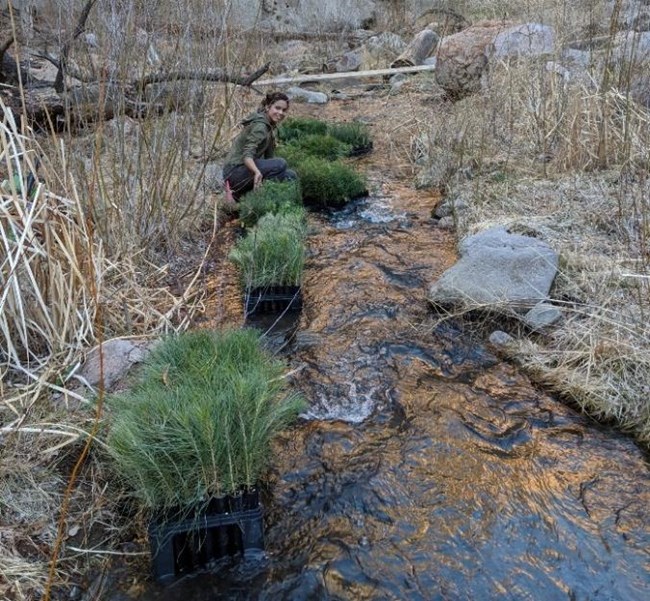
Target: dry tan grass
x=92, y=255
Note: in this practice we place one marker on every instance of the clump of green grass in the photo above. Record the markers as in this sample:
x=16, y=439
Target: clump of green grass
x=324, y=147
x=291, y=152
x=355, y=134
x=272, y=197
x=299, y=127
x=273, y=252
x=329, y=183
x=200, y=421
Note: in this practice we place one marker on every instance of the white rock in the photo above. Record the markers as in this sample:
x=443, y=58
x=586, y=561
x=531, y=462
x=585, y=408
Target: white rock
x=309, y=96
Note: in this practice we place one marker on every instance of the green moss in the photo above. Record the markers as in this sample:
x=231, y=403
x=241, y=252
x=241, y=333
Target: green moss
x=201, y=419
x=273, y=252
x=329, y=183
x=272, y=197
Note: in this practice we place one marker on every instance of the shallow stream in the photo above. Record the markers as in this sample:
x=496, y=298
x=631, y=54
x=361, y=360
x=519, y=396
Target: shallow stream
x=427, y=469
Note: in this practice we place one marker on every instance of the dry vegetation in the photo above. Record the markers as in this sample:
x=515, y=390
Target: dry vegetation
x=565, y=160
x=119, y=209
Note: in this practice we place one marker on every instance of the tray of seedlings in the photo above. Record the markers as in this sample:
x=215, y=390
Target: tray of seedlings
x=191, y=440
x=317, y=152
x=271, y=259
x=354, y=134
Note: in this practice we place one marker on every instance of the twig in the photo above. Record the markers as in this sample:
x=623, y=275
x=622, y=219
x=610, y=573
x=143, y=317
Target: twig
x=106, y=552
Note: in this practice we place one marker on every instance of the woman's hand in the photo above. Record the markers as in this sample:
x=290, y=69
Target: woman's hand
x=257, y=180
x=257, y=174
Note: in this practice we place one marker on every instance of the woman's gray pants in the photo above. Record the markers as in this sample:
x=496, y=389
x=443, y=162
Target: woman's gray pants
x=241, y=179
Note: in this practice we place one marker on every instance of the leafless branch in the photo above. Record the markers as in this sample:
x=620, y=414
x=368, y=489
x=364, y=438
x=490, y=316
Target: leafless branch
x=214, y=75
x=71, y=69
x=59, y=82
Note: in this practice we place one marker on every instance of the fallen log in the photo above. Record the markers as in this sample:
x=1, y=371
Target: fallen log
x=345, y=75
x=216, y=75
x=42, y=105
x=418, y=49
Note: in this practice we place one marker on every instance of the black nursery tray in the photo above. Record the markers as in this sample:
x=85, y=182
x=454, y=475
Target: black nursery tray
x=228, y=526
x=273, y=299
x=360, y=151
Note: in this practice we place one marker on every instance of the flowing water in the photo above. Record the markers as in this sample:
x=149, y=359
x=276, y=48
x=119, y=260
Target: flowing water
x=425, y=468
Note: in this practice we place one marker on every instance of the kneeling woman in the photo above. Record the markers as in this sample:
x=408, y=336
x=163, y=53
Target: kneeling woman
x=251, y=157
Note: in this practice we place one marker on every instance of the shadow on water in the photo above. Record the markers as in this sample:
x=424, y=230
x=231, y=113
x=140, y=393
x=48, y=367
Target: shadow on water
x=425, y=469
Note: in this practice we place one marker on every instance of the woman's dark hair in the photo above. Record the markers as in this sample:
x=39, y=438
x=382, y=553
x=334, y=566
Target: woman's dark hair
x=273, y=97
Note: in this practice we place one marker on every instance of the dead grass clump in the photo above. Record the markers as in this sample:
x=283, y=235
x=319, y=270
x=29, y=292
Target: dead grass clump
x=49, y=273
x=29, y=495
x=599, y=356
x=529, y=121
x=598, y=363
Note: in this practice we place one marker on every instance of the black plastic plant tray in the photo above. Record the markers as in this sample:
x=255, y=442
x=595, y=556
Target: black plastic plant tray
x=229, y=526
x=274, y=299
x=362, y=150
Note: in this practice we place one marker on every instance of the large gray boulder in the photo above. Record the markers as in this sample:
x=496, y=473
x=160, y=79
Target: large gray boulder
x=498, y=269
x=381, y=49
x=305, y=15
x=309, y=96
x=528, y=39
x=464, y=58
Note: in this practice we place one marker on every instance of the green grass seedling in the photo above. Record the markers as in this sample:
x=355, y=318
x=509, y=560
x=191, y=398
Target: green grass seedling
x=329, y=183
x=323, y=147
x=272, y=197
x=200, y=421
x=273, y=252
x=355, y=134
x=299, y=127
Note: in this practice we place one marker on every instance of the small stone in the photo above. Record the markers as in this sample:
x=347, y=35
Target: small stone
x=444, y=209
x=500, y=339
x=397, y=78
x=542, y=316
x=447, y=223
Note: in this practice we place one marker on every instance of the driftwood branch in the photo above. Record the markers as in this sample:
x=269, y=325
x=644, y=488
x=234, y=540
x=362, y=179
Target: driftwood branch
x=102, y=100
x=346, y=75
x=59, y=82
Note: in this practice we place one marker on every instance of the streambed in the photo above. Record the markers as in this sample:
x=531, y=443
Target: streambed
x=425, y=468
